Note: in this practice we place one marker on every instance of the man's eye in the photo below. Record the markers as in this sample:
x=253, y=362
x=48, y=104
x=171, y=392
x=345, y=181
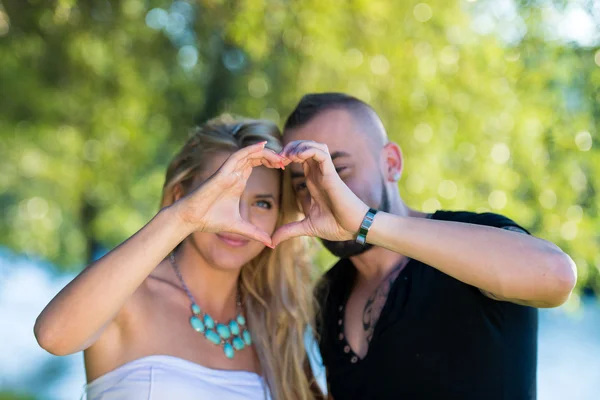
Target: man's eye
x=300, y=186
x=264, y=204
x=340, y=169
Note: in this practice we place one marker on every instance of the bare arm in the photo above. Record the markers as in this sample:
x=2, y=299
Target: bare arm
x=83, y=309
x=503, y=264
x=79, y=314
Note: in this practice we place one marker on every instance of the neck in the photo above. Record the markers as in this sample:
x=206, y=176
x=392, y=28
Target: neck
x=214, y=289
x=378, y=262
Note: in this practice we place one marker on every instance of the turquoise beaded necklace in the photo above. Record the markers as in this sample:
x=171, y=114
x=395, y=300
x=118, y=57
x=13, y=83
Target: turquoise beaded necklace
x=233, y=336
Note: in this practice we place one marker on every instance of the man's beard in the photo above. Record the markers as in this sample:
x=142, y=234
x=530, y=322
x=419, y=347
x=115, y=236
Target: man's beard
x=349, y=248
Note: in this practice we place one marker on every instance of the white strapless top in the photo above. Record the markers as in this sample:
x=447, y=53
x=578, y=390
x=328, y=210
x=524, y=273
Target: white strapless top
x=165, y=377
x=162, y=377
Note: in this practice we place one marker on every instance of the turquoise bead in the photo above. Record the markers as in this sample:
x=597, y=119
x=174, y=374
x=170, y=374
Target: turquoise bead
x=247, y=338
x=213, y=336
x=197, y=324
x=223, y=331
x=238, y=343
x=195, y=308
x=228, y=350
x=241, y=320
x=234, y=327
x=209, y=322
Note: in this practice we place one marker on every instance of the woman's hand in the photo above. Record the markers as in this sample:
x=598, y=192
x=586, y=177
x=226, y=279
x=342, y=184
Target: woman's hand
x=214, y=206
x=85, y=309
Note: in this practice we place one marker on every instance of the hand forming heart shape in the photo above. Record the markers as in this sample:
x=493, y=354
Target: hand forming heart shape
x=332, y=211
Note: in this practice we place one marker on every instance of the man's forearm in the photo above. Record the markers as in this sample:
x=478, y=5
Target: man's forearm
x=508, y=265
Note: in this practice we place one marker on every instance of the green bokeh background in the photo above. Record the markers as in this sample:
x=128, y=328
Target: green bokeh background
x=494, y=103
x=492, y=109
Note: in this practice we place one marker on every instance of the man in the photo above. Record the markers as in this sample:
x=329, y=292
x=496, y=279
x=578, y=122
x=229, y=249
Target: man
x=432, y=306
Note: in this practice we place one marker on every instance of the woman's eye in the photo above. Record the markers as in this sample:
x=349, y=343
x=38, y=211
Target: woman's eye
x=264, y=204
x=340, y=169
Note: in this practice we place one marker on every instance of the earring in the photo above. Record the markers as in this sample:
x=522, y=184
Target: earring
x=396, y=176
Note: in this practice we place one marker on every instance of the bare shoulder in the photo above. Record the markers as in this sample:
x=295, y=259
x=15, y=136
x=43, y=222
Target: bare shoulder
x=119, y=340
x=160, y=292
x=161, y=283
x=162, y=279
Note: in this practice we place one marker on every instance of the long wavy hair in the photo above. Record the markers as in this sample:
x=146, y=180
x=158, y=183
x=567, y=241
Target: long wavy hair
x=277, y=285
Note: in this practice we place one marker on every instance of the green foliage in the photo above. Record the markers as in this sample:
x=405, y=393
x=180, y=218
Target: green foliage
x=94, y=102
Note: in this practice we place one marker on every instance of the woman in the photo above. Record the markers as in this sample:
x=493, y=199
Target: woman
x=196, y=304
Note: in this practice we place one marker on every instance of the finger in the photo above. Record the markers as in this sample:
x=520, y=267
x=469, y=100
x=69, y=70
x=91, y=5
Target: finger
x=310, y=144
x=247, y=151
x=287, y=148
x=292, y=145
x=244, y=167
x=269, y=164
x=288, y=231
x=303, y=146
x=286, y=161
x=264, y=162
x=279, y=163
x=313, y=192
x=264, y=157
x=305, y=153
x=234, y=160
x=252, y=232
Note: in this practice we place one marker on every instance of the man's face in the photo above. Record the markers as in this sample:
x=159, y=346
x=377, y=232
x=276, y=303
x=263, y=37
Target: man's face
x=358, y=163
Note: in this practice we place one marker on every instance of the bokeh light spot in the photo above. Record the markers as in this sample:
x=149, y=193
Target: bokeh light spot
x=500, y=153
x=497, y=199
x=422, y=12
x=583, y=140
x=157, y=18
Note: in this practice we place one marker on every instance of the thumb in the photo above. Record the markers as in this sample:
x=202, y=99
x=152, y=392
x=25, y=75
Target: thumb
x=252, y=232
x=288, y=231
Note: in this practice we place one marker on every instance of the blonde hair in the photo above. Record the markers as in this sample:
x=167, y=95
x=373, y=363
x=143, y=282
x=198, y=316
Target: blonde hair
x=276, y=286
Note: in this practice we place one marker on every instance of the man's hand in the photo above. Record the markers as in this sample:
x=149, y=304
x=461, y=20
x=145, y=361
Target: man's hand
x=332, y=211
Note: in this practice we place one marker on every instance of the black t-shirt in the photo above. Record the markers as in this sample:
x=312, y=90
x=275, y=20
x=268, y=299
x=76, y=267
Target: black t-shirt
x=436, y=337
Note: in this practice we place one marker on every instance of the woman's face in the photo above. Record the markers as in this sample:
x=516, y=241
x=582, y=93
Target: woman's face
x=259, y=205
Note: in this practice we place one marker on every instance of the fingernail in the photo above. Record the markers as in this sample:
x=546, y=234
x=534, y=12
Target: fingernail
x=282, y=166
x=269, y=245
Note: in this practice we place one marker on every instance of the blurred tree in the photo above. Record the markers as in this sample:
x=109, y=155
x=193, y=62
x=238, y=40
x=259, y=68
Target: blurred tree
x=14, y=396
x=97, y=95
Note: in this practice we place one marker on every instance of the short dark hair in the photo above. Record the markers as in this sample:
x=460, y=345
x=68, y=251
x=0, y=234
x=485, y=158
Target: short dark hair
x=313, y=104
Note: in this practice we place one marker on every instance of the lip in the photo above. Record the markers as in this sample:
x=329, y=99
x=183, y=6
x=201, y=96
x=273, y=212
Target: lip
x=233, y=240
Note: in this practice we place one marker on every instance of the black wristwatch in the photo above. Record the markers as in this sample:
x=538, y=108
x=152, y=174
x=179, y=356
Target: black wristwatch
x=361, y=238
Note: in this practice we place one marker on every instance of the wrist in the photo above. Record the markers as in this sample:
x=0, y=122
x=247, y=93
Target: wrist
x=358, y=217
x=388, y=228
x=181, y=218
x=365, y=226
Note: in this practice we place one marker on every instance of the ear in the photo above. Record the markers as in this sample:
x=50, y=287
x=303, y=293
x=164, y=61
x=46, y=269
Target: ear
x=393, y=162
x=178, y=192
